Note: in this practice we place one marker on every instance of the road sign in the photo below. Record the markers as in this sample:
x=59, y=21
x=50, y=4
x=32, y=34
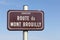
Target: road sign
x=30, y=20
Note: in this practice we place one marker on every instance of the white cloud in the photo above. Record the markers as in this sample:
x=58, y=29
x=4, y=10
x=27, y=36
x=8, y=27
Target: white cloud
x=36, y=38
x=10, y=37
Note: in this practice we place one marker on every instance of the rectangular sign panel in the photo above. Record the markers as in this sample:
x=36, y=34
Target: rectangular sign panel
x=30, y=20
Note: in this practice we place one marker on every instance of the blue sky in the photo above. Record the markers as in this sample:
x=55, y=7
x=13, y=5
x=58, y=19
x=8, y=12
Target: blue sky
x=51, y=10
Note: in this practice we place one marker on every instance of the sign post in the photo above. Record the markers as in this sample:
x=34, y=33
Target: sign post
x=25, y=32
x=25, y=20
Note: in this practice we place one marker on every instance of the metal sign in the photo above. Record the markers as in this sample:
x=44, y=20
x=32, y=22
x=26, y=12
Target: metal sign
x=30, y=20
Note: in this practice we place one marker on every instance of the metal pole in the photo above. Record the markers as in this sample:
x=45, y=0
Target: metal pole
x=25, y=33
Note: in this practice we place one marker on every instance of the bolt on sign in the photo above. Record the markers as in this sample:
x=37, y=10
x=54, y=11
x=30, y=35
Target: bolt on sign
x=30, y=20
